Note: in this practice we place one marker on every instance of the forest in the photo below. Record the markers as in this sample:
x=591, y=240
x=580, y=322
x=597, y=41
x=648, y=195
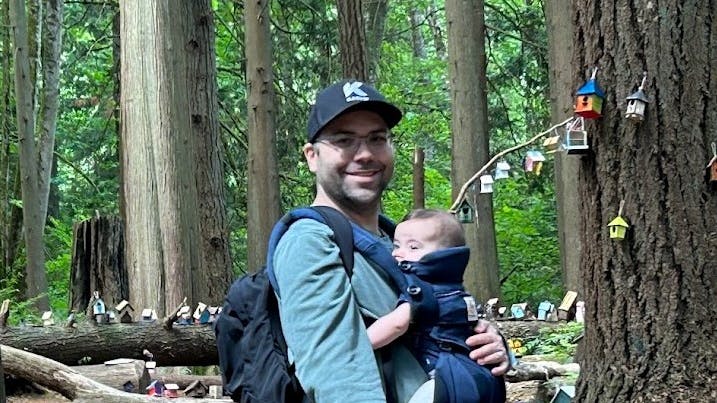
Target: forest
x=149, y=146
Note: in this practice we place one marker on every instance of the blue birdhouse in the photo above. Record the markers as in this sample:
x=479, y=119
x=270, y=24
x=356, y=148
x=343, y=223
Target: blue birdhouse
x=589, y=99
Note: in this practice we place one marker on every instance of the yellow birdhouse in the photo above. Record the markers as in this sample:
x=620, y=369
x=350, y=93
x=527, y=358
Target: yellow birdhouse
x=589, y=99
x=618, y=228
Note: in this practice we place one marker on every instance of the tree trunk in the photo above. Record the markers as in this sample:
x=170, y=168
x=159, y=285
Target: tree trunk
x=649, y=298
x=33, y=218
x=560, y=31
x=211, y=281
x=263, y=187
x=419, y=194
x=467, y=70
x=191, y=345
x=375, y=12
x=98, y=263
x=352, y=40
x=117, y=375
x=418, y=44
x=436, y=29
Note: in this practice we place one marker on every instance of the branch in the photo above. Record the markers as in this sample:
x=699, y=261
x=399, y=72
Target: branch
x=464, y=188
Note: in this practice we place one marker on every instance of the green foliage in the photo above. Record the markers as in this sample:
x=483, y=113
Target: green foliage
x=59, y=248
x=559, y=342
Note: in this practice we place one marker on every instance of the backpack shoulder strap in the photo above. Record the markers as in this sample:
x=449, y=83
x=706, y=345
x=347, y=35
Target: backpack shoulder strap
x=339, y=224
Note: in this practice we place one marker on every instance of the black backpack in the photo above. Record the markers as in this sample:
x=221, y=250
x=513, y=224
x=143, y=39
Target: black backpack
x=251, y=346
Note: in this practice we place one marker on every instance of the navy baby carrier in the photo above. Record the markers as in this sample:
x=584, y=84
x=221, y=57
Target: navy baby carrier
x=250, y=344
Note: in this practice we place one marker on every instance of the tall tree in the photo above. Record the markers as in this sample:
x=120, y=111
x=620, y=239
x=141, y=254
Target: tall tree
x=215, y=270
x=375, y=12
x=263, y=187
x=36, y=155
x=560, y=30
x=352, y=40
x=160, y=192
x=467, y=71
x=649, y=327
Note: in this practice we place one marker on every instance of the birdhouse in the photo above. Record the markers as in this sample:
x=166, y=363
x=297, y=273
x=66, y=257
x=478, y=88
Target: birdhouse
x=712, y=167
x=580, y=311
x=196, y=389
x=201, y=308
x=184, y=316
x=589, y=99
x=124, y=311
x=502, y=170
x=576, y=138
x=98, y=306
x=486, y=184
x=465, y=212
x=551, y=144
x=149, y=315
x=502, y=311
x=156, y=388
x=215, y=391
x=171, y=390
x=517, y=347
x=534, y=161
x=566, y=310
x=636, y=104
x=47, y=319
x=564, y=395
x=491, y=308
x=618, y=228
x=518, y=310
x=544, y=309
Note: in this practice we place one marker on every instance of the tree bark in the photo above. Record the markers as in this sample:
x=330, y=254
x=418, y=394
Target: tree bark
x=117, y=375
x=182, y=345
x=467, y=71
x=560, y=32
x=33, y=217
x=263, y=188
x=211, y=281
x=375, y=12
x=352, y=40
x=649, y=299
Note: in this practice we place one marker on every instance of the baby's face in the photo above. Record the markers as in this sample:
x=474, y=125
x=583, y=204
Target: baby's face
x=414, y=238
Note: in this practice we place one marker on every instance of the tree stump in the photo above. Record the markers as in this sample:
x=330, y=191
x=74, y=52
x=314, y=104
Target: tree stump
x=98, y=262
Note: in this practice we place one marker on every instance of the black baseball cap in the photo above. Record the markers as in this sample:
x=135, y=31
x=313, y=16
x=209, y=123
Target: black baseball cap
x=349, y=95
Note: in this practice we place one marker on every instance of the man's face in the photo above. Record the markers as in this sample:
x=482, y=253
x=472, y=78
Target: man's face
x=415, y=238
x=352, y=159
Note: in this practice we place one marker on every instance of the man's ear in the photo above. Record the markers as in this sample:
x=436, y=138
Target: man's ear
x=311, y=154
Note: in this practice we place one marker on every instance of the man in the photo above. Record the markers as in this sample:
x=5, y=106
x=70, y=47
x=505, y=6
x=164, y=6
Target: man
x=323, y=312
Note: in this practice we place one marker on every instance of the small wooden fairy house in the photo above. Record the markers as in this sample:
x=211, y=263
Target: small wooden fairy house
x=214, y=312
x=618, y=228
x=156, y=388
x=465, y=212
x=124, y=312
x=502, y=170
x=148, y=315
x=518, y=311
x=47, y=318
x=565, y=394
x=544, y=309
x=99, y=310
x=580, y=311
x=566, y=310
x=551, y=144
x=712, y=170
x=184, y=316
x=502, y=311
x=171, y=390
x=198, y=311
x=196, y=389
x=534, y=161
x=491, y=308
x=486, y=184
x=215, y=391
x=589, y=99
x=636, y=105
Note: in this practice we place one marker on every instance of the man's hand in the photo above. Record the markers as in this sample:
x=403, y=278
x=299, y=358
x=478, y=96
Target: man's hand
x=489, y=348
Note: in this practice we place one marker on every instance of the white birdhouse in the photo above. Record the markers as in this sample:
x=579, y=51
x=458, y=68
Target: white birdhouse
x=486, y=184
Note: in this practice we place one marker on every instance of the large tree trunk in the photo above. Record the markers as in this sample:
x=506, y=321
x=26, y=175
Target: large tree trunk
x=263, y=187
x=649, y=298
x=212, y=280
x=192, y=345
x=33, y=217
x=375, y=12
x=352, y=40
x=467, y=70
x=560, y=31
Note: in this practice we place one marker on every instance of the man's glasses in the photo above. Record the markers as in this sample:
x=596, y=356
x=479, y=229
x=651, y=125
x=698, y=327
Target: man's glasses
x=350, y=144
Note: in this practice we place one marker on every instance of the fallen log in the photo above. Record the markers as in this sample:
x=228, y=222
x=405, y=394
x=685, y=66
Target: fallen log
x=539, y=371
x=117, y=375
x=182, y=345
x=70, y=383
x=185, y=380
x=524, y=329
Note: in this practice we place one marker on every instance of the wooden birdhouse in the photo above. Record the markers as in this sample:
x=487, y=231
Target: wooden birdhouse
x=551, y=144
x=491, y=308
x=149, y=315
x=518, y=311
x=712, y=167
x=637, y=103
x=589, y=99
x=576, y=138
x=486, y=184
x=214, y=312
x=99, y=310
x=566, y=310
x=199, y=311
x=215, y=391
x=196, y=389
x=47, y=319
x=171, y=390
x=124, y=312
x=465, y=212
x=502, y=311
x=184, y=316
x=565, y=394
x=618, y=228
x=502, y=170
x=580, y=311
x=544, y=308
x=156, y=388
x=534, y=161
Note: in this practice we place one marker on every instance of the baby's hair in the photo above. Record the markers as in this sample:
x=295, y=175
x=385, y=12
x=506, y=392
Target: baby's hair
x=450, y=229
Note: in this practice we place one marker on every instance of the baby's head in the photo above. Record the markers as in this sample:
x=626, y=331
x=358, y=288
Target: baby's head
x=426, y=230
